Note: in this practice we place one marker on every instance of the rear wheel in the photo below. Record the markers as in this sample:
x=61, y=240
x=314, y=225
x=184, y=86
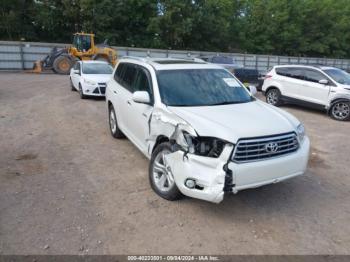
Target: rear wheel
x=160, y=175
x=273, y=97
x=340, y=110
x=113, y=124
x=62, y=65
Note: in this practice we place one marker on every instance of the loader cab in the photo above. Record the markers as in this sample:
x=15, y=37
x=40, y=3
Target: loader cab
x=83, y=42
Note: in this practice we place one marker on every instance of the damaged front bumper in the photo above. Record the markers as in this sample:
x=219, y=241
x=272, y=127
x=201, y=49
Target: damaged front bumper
x=215, y=176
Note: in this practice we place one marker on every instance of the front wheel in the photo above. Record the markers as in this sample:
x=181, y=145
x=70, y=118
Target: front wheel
x=81, y=93
x=273, y=97
x=340, y=110
x=71, y=85
x=160, y=174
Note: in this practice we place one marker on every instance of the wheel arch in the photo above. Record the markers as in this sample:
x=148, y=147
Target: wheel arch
x=273, y=87
x=335, y=100
x=160, y=139
x=110, y=104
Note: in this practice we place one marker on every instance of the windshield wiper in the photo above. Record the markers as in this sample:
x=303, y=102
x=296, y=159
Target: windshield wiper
x=227, y=103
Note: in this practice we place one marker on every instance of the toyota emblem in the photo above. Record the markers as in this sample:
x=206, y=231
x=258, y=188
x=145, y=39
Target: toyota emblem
x=271, y=147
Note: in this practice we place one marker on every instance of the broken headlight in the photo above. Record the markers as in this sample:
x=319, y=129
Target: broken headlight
x=204, y=146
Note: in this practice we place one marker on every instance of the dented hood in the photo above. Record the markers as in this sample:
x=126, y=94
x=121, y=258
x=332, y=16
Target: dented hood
x=235, y=121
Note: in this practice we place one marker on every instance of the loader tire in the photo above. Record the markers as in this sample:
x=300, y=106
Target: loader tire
x=62, y=65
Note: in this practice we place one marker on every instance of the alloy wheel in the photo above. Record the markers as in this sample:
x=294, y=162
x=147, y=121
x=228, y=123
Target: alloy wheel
x=162, y=176
x=341, y=110
x=112, y=121
x=272, y=97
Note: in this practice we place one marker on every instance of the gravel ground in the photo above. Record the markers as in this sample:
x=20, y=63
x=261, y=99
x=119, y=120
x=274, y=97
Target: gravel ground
x=68, y=187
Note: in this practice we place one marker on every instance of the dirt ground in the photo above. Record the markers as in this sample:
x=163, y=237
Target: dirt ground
x=68, y=187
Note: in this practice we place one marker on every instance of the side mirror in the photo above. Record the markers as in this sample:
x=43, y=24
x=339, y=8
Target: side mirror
x=141, y=97
x=75, y=71
x=252, y=90
x=323, y=82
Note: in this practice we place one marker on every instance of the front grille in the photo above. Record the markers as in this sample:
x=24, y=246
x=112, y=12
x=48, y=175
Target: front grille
x=102, y=90
x=102, y=87
x=255, y=149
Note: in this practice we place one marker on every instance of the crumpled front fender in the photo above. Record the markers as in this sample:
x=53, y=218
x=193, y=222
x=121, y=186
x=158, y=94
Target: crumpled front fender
x=208, y=173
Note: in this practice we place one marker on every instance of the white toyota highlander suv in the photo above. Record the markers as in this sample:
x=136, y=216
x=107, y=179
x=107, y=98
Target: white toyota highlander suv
x=321, y=87
x=203, y=132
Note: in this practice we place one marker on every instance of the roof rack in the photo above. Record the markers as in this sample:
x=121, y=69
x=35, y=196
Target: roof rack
x=158, y=59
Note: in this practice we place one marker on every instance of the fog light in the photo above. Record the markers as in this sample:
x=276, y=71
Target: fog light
x=190, y=183
x=88, y=90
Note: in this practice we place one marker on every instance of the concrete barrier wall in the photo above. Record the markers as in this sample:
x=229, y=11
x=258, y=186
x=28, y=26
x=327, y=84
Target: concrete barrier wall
x=21, y=55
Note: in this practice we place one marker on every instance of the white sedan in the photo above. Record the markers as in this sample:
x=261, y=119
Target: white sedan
x=90, y=78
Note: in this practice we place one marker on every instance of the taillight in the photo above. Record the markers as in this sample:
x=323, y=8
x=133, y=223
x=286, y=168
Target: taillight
x=267, y=76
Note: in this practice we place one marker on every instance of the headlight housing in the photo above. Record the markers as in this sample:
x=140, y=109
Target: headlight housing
x=204, y=146
x=301, y=132
x=186, y=138
x=89, y=82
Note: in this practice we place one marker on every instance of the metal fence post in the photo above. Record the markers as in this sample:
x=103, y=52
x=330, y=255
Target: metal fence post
x=244, y=58
x=268, y=62
x=21, y=55
x=256, y=62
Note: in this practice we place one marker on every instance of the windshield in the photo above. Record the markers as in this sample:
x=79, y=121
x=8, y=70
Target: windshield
x=97, y=68
x=338, y=75
x=200, y=87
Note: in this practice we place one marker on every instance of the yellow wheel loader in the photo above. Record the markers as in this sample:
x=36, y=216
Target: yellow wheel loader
x=83, y=48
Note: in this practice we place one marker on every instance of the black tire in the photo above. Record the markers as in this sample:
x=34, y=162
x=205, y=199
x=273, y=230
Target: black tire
x=172, y=193
x=113, y=127
x=273, y=97
x=71, y=85
x=81, y=93
x=62, y=65
x=340, y=110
